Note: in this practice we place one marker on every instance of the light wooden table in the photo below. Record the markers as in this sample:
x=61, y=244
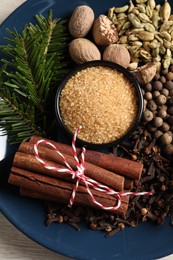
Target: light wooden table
x=13, y=244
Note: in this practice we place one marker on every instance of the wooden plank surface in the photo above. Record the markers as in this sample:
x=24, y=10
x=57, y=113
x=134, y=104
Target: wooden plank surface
x=14, y=244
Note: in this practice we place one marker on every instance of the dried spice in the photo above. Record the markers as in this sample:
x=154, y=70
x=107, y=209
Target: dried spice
x=151, y=25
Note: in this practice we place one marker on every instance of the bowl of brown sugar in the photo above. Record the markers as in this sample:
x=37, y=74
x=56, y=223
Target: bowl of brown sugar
x=104, y=99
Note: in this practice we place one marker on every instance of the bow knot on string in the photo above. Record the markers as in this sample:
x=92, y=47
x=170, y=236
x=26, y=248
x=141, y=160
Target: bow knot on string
x=79, y=175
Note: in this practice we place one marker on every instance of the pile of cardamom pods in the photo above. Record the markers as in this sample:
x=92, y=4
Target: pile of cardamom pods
x=146, y=29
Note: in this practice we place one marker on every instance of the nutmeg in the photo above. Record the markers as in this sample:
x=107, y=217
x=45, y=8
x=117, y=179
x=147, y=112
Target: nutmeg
x=81, y=21
x=104, y=31
x=145, y=73
x=82, y=50
x=117, y=53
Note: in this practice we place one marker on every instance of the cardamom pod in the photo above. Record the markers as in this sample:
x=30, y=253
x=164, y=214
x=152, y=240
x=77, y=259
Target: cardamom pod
x=170, y=29
x=168, y=53
x=137, y=43
x=146, y=46
x=111, y=13
x=122, y=9
x=165, y=35
x=171, y=48
x=158, y=7
x=166, y=25
x=165, y=11
x=114, y=19
x=123, y=39
x=120, y=26
x=132, y=38
x=151, y=4
x=155, y=18
x=149, y=27
x=146, y=36
x=136, y=24
x=157, y=37
x=158, y=66
x=162, y=49
x=131, y=6
x=167, y=44
x=172, y=35
x=133, y=49
x=154, y=44
x=126, y=25
x=121, y=16
x=141, y=1
x=144, y=54
x=135, y=11
x=141, y=8
x=166, y=62
x=149, y=11
x=136, y=30
x=121, y=32
x=155, y=54
x=143, y=17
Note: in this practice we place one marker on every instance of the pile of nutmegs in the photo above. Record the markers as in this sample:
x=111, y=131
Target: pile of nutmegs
x=158, y=113
x=103, y=33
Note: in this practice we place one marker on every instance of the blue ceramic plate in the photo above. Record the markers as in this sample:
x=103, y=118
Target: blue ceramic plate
x=148, y=241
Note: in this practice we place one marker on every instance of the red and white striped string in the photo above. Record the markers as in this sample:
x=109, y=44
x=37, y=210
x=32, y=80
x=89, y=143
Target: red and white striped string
x=79, y=175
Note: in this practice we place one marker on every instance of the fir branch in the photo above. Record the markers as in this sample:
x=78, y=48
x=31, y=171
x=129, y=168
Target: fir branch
x=35, y=64
x=17, y=119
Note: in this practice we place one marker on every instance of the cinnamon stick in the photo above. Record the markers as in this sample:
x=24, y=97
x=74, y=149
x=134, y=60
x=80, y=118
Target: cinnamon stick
x=29, y=162
x=127, y=168
x=128, y=184
x=106, y=177
x=49, y=188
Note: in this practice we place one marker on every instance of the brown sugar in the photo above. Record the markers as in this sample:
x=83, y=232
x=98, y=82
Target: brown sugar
x=102, y=100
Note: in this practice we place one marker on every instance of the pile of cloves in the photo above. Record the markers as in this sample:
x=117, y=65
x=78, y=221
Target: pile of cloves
x=157, y=177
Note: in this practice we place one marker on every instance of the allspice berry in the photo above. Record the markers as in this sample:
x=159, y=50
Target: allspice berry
x=169, y=75
x=170, y=110
x=157, y=85
x=166, y=138
x=170, y=120
x=148, y=115
x=151, y=105
x=157, y=121
x=148, y=87
x=165, y=127
x=168, y=84
x=168, y=149
x=165, y=92
x=148, y=96
x=158, y=134
x=161, y=100
x=162, y=113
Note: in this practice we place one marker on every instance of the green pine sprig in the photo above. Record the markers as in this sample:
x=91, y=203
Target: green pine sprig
x=35, y=62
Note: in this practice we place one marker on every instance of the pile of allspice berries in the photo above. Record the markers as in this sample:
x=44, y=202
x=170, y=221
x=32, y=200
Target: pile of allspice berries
x=158, y=108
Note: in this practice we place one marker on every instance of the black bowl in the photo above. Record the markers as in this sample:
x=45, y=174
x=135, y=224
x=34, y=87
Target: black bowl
x=119, y=68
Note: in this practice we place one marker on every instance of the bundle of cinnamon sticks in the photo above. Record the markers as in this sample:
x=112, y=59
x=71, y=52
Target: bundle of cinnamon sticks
x=38, y=182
